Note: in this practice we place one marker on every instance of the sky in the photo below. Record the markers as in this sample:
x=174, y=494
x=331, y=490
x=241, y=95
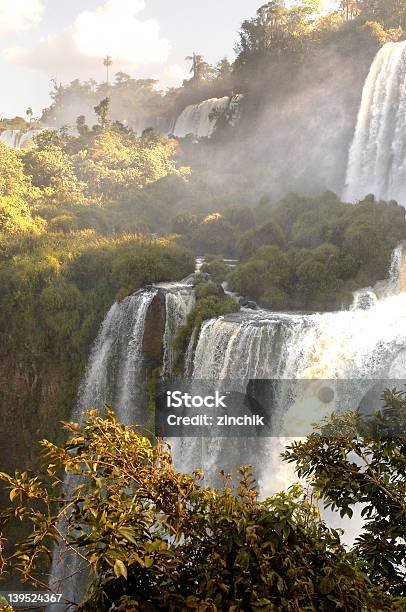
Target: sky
x=67, y=39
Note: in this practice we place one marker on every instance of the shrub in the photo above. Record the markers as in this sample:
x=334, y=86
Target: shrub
x=153, y=538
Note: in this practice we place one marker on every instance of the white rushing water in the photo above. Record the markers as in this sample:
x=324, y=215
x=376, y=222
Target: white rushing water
x=178, y=305
x=362, y=345
x=113, y=372
x=17, y=139
x=199, y=120
x=377, y=161
x=365, y=343
x=115, y=376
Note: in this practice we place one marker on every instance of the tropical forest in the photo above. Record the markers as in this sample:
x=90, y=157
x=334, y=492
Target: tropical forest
x=203, y=308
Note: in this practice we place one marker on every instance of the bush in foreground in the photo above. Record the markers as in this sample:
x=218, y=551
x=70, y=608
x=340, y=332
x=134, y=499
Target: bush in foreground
x=157, y=539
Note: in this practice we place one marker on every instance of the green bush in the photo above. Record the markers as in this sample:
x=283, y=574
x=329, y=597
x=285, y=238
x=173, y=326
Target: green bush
x=154, y=538
x=217, y=269
x=326, y=255
x=211, y=302
x=267, y=234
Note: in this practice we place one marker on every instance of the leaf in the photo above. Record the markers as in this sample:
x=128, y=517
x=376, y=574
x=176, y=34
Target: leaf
x=262, y=602
x=120, y=569
x=148, y=562
x=138, y=559
x=13, y=494
x=128, y=534
x=326, y=585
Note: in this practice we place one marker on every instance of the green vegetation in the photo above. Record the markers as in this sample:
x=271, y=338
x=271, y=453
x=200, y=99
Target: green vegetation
x=363, y=461
x=211, y=302
x=155, y=538
x=17, y=123
x=216, y=267
x=311, y=253
x=74, y=237
x=298, y=253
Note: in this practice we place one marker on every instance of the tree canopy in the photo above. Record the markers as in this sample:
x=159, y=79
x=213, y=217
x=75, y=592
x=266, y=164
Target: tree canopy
x=154, y=538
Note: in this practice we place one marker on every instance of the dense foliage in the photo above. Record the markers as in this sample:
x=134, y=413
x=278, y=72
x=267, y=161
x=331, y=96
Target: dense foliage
x=363, y=461
x=153, y=538
x=74, y=237
x=311, y=253
x=211, y=302
x=299, y=252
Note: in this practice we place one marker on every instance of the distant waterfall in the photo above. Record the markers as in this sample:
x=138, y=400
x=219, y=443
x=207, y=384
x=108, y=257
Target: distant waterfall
x=377, y=161
x=200, y=120
x=17, y=139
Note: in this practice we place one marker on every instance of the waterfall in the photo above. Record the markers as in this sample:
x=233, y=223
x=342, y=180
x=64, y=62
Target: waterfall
x=115, y=375
x=200, y=119
x=177, y=306
x=112, y=376
x=347, y=351
x=114, y=368
x=377, y=161
x=365, y=344
x=17, y=139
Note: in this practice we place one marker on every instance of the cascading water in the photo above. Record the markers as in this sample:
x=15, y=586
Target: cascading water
x=11, y=138
x=377, y=161
x=17, y=139
x=200, y=120
x=113, y=372
x=115, y=375
x=178, y=305
x=365, y=343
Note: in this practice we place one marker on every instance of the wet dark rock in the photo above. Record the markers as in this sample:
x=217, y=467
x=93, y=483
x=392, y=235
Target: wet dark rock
x=154, y=332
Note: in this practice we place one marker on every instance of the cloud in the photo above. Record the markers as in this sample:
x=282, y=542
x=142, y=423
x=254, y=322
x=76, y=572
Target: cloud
x=113, y=29
x=175, y=75
x=55, y=55
x=19, y=15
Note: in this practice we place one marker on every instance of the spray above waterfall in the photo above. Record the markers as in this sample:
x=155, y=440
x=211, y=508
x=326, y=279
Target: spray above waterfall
x=377, y=161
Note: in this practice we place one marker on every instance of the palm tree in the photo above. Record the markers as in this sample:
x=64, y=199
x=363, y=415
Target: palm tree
x=107, y=62
x=199, y=69
x=29, y=113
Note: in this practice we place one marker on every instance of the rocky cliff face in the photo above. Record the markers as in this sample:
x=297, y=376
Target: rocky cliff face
x=31, y=406
x=153, y=333
x=33, y=402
